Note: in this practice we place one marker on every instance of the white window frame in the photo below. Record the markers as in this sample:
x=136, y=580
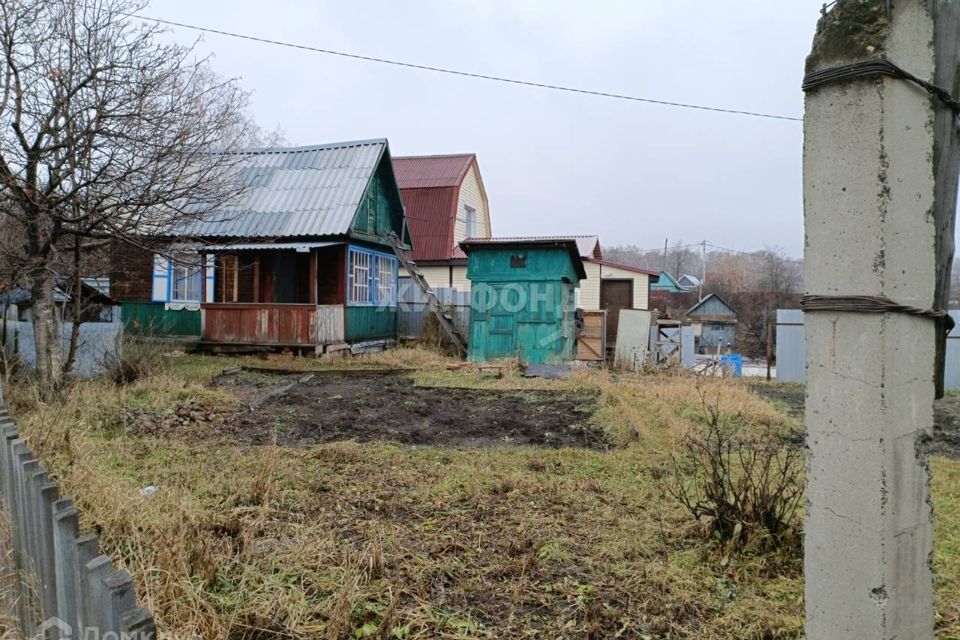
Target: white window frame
x=184, y=268
x=371, y=278
x=359, y=271
x=470, y=221
x=386, y=280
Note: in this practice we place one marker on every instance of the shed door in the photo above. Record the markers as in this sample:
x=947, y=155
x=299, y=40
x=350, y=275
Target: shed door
x=615, y=295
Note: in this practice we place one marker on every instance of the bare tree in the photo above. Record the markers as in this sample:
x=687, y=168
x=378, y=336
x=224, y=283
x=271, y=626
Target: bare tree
x=105, y=134
x=778, y=274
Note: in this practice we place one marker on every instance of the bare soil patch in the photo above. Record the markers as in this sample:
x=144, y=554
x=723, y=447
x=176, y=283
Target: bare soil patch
x=946, y=415
x=377, y=407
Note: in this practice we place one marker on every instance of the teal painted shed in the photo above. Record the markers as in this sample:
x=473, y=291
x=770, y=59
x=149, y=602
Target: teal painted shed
x=522, y=299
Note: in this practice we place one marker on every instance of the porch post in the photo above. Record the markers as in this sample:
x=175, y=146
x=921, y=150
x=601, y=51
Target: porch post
x=256, y=278
x=313, y=276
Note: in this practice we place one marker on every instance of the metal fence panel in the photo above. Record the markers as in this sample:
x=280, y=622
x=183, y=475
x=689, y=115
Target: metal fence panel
x=413, y=309
x=791, y=346
x=98, y=341
x=792, y=351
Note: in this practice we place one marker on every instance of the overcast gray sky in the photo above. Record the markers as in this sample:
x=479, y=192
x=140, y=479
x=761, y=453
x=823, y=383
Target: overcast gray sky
x=552, y=162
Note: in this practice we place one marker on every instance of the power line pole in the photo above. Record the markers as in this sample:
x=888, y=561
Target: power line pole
x=703, y=264
x=872, y=170
x=665, y=240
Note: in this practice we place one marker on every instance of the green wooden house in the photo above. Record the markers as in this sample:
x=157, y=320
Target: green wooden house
x=300, y=260
x=523, y=298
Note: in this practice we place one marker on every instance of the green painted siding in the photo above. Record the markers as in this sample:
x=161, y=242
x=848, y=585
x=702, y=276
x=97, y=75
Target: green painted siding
x=371, y=322
x=522, y=304
x=151, y=318
x=380, y=211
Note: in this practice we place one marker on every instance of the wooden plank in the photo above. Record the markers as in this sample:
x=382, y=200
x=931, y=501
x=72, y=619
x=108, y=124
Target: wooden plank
x=591, y=343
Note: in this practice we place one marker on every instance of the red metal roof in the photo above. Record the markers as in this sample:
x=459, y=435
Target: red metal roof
x=625, y=267
x=430, y=187
x=427, y=172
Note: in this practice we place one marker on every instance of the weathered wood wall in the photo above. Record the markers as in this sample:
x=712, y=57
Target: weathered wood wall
x=260, y=324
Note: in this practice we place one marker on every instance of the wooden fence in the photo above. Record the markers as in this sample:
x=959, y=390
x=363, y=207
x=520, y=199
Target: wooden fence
x=62, y=586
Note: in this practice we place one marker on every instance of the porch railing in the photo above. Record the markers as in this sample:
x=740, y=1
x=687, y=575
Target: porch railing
x=293, y=325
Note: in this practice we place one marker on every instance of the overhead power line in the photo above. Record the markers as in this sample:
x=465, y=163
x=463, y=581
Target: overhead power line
x=468, y=74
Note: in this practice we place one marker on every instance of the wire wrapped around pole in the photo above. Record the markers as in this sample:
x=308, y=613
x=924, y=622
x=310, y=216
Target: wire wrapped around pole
x=865, y=304
x=872, y=68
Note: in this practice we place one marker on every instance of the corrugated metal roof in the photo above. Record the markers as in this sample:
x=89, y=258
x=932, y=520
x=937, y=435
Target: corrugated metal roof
x=625, y=267
x=427, y=172
x=430, y=216
x=296, y=191
x=588, y=246
x=269, y=246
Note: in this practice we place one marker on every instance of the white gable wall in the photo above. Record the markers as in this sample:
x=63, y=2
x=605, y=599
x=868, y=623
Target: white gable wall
x=471, y=194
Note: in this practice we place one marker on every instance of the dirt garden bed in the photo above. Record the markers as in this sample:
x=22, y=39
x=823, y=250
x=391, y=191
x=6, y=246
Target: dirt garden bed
x=378, y=406
x=946, y=415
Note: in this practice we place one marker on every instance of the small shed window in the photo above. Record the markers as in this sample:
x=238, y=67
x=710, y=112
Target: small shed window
x=518, y=261
x=359, y=276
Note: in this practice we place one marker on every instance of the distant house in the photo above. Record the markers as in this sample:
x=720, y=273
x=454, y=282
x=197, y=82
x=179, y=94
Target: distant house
x=613, y=286
x=301, y=260
x=96, y=303
x=688, y=282
x=446, y=203
x=714, y=323
x=667, y=283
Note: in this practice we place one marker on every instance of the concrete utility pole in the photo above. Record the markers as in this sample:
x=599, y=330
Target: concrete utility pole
x=703, y=267
x=876, y=170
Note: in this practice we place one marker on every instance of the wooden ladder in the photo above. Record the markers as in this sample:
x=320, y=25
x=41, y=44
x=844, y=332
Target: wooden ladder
x=445, y=319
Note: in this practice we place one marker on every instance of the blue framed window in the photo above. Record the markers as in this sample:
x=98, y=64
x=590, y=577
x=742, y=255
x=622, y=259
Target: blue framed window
x=177, y=277
x=371, y=277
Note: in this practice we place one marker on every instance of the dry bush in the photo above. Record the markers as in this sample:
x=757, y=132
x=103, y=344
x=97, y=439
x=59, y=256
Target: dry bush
x=404, y=357
x=745, y=483
x=133, y=360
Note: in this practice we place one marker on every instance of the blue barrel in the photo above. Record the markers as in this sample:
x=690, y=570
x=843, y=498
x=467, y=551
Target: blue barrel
x=733, y=362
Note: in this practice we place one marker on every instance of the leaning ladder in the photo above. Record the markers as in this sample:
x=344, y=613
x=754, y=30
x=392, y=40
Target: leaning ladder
x=444, y=318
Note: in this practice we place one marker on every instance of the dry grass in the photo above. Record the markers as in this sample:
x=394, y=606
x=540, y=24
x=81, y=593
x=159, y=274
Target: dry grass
x=350, y=541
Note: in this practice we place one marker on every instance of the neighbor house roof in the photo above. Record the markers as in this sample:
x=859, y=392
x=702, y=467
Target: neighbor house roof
x=713, y=306
x=430, y=187
x=570, y=243
x=587, y=246
x=654, y=275
x=688, y=281
x=296, y=191
x=667, y=282
x=430, y=172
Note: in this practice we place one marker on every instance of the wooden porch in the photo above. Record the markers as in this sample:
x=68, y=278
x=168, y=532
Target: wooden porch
x=300, y=326
x=276, y=298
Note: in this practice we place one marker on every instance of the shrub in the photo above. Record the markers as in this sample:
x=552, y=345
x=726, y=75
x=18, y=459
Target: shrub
x=132, y=360
x=744, y=481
